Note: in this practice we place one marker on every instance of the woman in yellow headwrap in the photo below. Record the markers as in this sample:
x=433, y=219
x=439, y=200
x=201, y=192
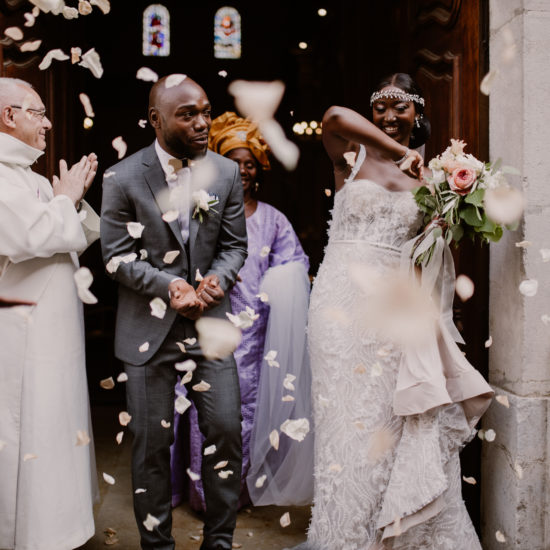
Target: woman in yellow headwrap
x=272, y=245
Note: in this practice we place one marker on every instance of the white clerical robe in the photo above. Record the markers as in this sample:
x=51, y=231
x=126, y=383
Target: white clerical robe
x=47, y=481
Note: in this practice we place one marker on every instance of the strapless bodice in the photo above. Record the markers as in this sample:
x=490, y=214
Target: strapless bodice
x=366, y=211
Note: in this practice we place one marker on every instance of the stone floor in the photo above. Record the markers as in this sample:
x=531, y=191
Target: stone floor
x=258, y=528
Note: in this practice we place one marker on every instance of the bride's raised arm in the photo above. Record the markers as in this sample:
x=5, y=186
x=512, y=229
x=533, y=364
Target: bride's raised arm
x=342, y=126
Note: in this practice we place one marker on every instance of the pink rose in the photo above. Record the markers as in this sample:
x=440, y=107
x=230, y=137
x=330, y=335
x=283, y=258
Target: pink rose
x=451, y=165
x=461, y=180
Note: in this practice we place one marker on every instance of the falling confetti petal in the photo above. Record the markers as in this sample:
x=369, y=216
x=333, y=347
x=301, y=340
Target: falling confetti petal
x=109, y=479
x=490, y=435
x=119, y=437
x=545, y=254
x=83, y=278
x=147, y=75
x=50, y=56
x=264, y=252
x=170, y=256
x=489, y=342
x=217, y=337
x=158, y=307
x=221, y=464
x=245, y=319
x=187, y=377
x=470, y=480
x=170, y=216
x=529, y=287
x=274, y=439
x=182, y=349
x=296, y=429
x=193, y=476
x=135, y=229
x=222, y=73
x=236, y=545
x=198, y=276
x=523, y=244
x=328, y=192
x=202, y=386
x=174, y=80
x=190, y=341
x=15, y=33
x=29, y=456
x=119, y=145
x=288, y=398
x=70, y=13
x=504, y=205
x=185, y=366
x=31, y=46
x=87, y=104
x=91, y=60
x=503, y=400
x=182, y=404
x=82, y=438
x=518, y=470
x=195, y=537
x=487, y=81
x=107, y=383
x=481, y=434
x=263, y=297
x=30, y=19
x=124, y=418
x=287, y=382
x=84, y=7
x=143, y=254
x=165, y=424
x=545, y=319
x=464, y=287
x=103, y=5
x=224, y=474
x=142, y=123
x=210, y=450
x=284, y=150
x=257, y=100
x=260, y=481
x=270, y=358
x=150, y=522
x=500, y=537
x=144, y=347
x=285, y=520
x=350, y=157
x=139, y=491
x=75, y=55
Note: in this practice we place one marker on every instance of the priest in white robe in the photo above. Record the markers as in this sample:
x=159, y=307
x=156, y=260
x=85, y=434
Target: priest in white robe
x=47, y=465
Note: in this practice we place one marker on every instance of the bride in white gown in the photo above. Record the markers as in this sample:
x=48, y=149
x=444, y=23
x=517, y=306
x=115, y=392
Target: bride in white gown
x=387, y=472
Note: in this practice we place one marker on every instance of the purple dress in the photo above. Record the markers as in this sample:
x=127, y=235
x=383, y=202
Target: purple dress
x=271, y=242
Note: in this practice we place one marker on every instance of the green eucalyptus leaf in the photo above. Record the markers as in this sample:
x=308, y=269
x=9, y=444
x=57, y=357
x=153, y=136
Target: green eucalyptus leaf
x=475, y=198
x=471, y=216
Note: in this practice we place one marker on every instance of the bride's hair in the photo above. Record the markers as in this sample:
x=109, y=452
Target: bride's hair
x=404, y=81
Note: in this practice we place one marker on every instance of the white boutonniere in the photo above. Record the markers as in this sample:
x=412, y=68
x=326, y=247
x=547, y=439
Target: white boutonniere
x=203, y=202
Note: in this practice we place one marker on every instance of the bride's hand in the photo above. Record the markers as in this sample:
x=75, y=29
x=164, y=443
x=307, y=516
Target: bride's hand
x=413, y=165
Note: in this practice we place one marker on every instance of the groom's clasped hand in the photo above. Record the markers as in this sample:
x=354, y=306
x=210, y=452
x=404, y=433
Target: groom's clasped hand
x=192, y=303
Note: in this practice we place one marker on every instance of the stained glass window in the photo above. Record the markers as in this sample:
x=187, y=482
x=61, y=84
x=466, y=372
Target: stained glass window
x=156, y=30
x=227, y=33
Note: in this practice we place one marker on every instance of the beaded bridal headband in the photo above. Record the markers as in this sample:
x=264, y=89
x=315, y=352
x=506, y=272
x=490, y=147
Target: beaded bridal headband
x=396, y=93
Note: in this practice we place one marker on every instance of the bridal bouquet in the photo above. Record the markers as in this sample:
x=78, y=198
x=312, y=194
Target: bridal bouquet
x=465, y=196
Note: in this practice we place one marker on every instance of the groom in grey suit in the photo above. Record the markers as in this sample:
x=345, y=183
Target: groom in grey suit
x=215, y=244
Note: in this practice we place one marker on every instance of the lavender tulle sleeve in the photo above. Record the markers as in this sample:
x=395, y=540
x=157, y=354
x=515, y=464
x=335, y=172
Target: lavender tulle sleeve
x=288, y=471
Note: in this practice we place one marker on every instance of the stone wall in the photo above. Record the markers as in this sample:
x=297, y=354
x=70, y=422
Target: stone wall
x=515, y=466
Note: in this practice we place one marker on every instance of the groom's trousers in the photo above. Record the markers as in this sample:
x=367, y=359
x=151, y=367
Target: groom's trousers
x=150, y=397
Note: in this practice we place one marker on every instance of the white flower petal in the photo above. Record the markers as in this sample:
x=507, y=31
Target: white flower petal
x=224, y=474
x=108, y=175
x=103, y=5
x=287, y=382
x=222, y=73
x=287, y=398
x=328, y=192
x=296, y=429
x=257, y=100
x=144, y=347
x=182, y=404
x=147, y=75
x=503, y=400
x=174, y=80
x=75, y=55
x=170, y=216
x=221, y=464
x=15, y=33
x=70, y=13
x=83, y=278
x=274, y=439
x=264, y=252
x=284, y=150
x=489, y=342
x=464, y=287
x=202, y=386
x=181, y=347
x=260, y=481
x=470, y=480
x=119, y=145
x=529, y=287
x=487, y=81
x=285, y=520
x=124, y=418
x=500, y=537
x=263, y=297
x=217, y=337
x=198, y=276
x=82, y=438
x=545, y=254
x=150, y=522
x=107, y=383
x=119, y=437
x=186, y=378
x=210, y=450
x=91, y=60
x=270, y=355
x=490, y=435
x=84, y=7
x=165, y=424
x=87, y=104
x=350, y=158
x=170, y=256
x=190, y=341
x=545, y=319
x=518, y=470
x=30, y=19
x=142, y=123
x=30, y=46
x=139, y=490
x=109, y=479
x=143, y=254
x=29, y=456
x=504, y=205
x=186, y=366
x=523, y=244
x=192, y=475
x=158, y=307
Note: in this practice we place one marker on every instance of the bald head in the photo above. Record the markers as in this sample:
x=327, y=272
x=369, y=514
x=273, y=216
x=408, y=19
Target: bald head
x=179, y=111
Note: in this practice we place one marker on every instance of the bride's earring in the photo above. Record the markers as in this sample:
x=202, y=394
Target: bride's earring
x=417, y=121
x=256, y=187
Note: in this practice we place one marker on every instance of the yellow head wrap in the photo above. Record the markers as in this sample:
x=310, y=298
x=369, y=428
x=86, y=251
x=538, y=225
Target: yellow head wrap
x=228, y=132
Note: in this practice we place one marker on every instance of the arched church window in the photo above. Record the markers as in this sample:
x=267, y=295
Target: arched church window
x=227, y=33
x=156, y=31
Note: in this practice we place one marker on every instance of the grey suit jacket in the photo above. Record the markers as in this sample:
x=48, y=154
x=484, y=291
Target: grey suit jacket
x=217, y=245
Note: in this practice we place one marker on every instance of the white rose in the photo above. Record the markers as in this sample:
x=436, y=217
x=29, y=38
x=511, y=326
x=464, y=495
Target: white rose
x=201, y=198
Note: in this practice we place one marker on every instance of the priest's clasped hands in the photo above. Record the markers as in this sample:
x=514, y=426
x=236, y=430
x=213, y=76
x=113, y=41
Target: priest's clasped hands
x=192, y=303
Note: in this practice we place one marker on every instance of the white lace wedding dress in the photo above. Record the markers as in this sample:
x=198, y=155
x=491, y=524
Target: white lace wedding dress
x=381, y=481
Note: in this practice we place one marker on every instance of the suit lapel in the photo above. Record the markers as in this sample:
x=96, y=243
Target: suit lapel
x=156, y=180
